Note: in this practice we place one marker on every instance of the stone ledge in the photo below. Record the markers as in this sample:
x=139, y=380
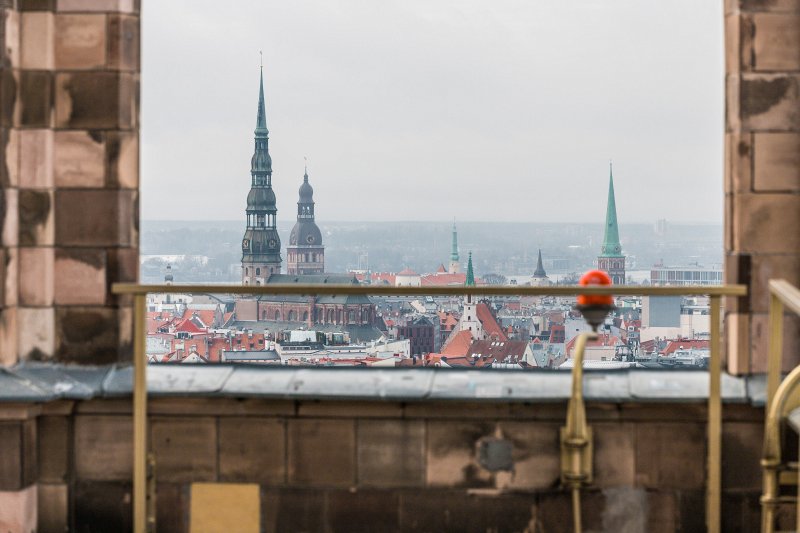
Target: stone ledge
x=38, y=382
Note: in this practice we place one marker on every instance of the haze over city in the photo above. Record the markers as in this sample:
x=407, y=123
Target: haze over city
x=505, y=111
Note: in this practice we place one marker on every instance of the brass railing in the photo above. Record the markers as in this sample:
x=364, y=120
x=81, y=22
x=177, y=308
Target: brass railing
x=140, y=292
x=779, y=399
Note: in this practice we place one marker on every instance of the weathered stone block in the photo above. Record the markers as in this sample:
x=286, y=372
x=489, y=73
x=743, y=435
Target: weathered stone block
x=123, y=265
x=36, y=40
x=185, y=449
x=760, y=340
x=776, y=41
x=172, y=509
x=777, y=161
x=10, y=222
x=742, y=446
x=535, y=454
x=363, y=511
x=122, y=159
x=737, y=343
x=89, y=335
x=8, y=336
x=94, y=217
x=35, y=98
x=36, y=5
x=36, y=333
x=757, y=219
x=770, y=101
x=252, y=450
x=738, y=160
x=103, y=448
x=53, y=508
x=95, y=100
x=771, y=266
x=102, y=506
x=18, y=510
x=292, y=510
x=614, y=455
x=11, y=469
x=321, y=452
x=11, y=27
x=35, y=276
x=10, y=272
x=664, y=462
x=35, y=217
x=124, y=6
x=772, y=6
x=79, y=159
x=391, y=453
x=80, y=276
x=451, y=454
x=123, y=42
x=53, y=448
x=9, y=173
x=80, y=41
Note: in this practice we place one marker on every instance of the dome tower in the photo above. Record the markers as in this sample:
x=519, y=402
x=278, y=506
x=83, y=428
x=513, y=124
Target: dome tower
x=305, y=253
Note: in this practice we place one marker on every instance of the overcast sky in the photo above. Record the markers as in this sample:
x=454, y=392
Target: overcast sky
x=430, y=110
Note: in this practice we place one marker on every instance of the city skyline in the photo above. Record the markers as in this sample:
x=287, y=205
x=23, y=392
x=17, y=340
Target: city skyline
x=417, y=120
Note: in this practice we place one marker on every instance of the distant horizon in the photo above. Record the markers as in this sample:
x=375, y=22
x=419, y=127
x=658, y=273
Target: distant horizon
x=457, y=222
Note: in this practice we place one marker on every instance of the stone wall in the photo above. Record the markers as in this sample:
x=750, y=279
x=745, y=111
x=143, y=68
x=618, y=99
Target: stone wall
x=370, y=466
x=762, y=171
x=69, y=178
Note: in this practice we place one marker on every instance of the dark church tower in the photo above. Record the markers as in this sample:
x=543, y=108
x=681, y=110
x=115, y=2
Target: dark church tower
x=305, y=253
x=261, y=246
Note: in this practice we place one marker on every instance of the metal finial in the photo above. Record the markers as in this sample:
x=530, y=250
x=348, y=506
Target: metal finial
x=261, y=54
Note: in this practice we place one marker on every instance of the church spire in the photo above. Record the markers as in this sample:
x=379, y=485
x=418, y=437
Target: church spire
x=539, y=272
x=261, y=118
x=470, y=274
x=611, y=246
x=454, y=249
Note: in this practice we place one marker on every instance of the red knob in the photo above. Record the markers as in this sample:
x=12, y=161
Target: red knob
x=595, y=277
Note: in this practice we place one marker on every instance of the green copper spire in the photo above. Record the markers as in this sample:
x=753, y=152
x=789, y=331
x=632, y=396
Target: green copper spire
x=470, y=275
x=261, y=119
x=454, y=251
x=611, y=246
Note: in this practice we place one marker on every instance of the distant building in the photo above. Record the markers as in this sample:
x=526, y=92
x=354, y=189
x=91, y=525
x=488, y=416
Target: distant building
x=261, y=245
x=611, y=259
x=305, y=253
x=420, y=332
x=685, y=275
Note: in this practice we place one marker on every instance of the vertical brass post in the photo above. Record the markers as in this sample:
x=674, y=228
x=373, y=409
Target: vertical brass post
x=576, y=435
x=775, y=347
x=714, y=489
x=139, y=416
x=771, y=461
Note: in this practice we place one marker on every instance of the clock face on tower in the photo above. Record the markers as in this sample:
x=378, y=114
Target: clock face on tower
x=310, y=239
x=272, y=243
x=245, y=244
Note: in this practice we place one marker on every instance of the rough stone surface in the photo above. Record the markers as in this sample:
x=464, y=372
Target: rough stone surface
x=252, y=450
x=391, y=453
x=321, y=452
x=104, y=447
x=185, y=449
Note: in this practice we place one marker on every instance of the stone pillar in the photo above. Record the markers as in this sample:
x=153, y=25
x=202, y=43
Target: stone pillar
x=762, y=171
x=69, y=177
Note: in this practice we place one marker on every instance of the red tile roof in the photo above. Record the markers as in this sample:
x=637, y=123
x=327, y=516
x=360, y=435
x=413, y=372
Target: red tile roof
x=458, y=344
x=490, y=325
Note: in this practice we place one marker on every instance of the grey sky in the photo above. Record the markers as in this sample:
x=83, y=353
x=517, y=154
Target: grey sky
x=420, y=110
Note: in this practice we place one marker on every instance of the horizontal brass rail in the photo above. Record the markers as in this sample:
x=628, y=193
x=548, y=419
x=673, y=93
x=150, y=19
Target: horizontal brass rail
x=435, y=290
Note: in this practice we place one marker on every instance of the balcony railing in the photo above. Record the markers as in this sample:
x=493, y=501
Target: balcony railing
x=143, y=517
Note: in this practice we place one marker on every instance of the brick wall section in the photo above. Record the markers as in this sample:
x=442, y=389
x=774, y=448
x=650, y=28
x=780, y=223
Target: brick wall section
x=762, y=171
x=341, y=466
x=69, y=85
